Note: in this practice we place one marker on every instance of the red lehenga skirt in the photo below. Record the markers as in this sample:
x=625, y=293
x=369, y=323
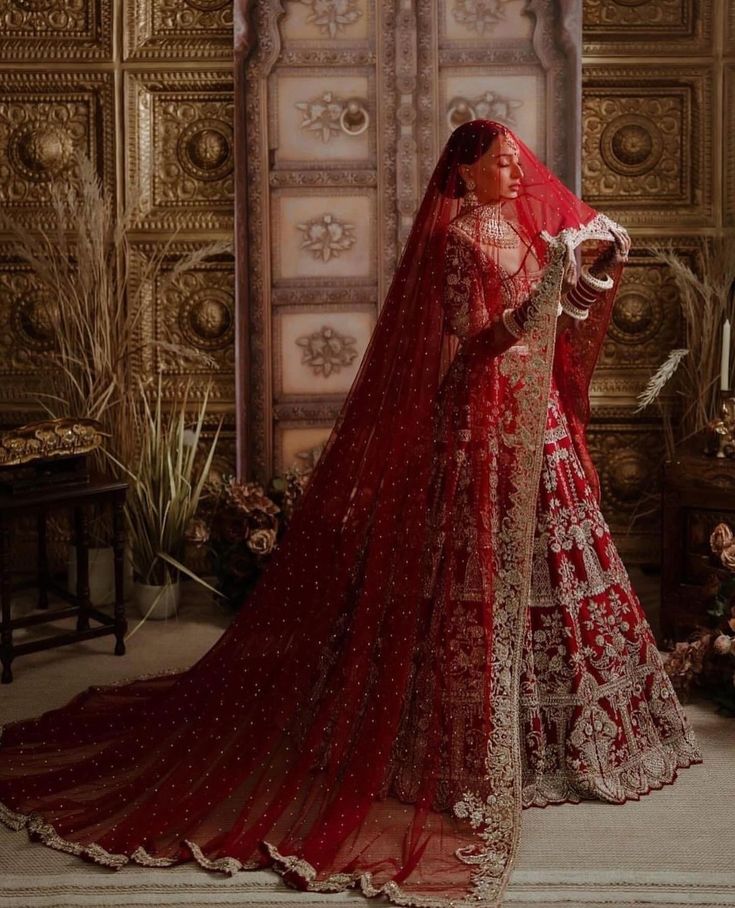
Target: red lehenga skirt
x=600, y=718
x=596, y=714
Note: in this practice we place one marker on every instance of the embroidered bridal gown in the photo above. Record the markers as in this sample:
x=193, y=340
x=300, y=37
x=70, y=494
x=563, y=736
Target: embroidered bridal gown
x=445, y=634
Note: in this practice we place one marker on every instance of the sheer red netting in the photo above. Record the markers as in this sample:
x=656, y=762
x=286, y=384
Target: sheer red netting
x=358, y=723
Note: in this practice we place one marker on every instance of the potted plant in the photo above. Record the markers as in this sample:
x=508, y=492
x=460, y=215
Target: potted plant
x=166, y=483
x=81, y=265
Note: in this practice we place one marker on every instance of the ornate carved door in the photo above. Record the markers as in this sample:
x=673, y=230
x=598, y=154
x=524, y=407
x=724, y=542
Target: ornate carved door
x=342, y=108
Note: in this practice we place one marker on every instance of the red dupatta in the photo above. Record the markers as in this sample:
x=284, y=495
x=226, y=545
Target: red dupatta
x=357, y=724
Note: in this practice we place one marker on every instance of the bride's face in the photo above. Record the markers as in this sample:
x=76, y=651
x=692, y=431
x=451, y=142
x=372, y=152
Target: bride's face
x=498, y=173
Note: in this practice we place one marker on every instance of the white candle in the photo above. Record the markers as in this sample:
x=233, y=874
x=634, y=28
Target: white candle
x=725, y=361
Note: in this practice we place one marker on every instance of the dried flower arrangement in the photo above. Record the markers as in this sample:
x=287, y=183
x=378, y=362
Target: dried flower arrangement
x=707, y=660
x=240, y=525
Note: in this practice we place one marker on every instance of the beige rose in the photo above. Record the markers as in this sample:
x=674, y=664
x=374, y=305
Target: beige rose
x=727, y=557
x=722, y=644
x=261, y=541
x=197, y=532
x=720, y=537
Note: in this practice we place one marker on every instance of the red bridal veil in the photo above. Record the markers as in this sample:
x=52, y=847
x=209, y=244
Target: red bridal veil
x=358, y=723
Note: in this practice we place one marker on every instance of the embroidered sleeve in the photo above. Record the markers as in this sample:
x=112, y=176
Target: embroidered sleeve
x=464, y=305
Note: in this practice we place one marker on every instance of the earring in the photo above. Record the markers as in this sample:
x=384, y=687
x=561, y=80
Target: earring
x=469, y=199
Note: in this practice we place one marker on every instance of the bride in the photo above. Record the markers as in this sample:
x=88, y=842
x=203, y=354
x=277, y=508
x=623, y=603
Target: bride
x=446, y=633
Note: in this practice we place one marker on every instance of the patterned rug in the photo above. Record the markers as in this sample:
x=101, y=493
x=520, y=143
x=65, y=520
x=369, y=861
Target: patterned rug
x=671, y=848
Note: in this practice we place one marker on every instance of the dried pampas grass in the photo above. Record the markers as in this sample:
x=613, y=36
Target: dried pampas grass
x=82, y=263
x=706, y=300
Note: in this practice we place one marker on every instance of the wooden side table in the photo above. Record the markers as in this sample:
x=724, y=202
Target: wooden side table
x=79, y=499
x=698, y=492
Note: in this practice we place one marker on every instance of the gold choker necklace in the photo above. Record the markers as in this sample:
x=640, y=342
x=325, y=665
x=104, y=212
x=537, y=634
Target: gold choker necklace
x=491, y=227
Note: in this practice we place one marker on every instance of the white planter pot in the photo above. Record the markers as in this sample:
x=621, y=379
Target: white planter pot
x=167, y=604
x=101, y=575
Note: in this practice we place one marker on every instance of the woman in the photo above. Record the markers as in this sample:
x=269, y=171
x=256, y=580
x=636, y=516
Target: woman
x=446, y=633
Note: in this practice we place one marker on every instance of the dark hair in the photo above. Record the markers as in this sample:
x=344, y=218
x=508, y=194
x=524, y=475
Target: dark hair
x=467, y=144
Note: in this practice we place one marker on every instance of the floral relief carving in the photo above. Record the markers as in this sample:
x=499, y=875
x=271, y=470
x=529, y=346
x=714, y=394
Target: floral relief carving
x=321, y=115
x=645, y=320
x=27, y=319
x=480, y=16
x=43, y=119
x=329, y=115
x=187, y=28
x=327, y=351
x=43, y=29
x=490, y=105
x=327, y=236
x=332, y=16
x=195, y=311
x=181, y=148
x=647, y=142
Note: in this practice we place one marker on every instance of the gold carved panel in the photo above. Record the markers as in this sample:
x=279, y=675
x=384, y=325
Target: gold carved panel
x=26, y=330
x=180, y=148
x=628, y=457
x=43, y=118
x=179, y=29
x=728, y=151
x=640, y=27
x=647, y=142
x=646, y=321
x=194, y=312
x=40, y=30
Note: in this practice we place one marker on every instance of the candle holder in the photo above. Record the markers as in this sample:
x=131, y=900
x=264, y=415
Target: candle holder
x=721, y=431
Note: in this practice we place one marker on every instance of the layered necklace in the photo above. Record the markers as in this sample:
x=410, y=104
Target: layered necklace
x=491, y=227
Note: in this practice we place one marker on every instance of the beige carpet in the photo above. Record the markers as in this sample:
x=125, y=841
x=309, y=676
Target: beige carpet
x=674, y=847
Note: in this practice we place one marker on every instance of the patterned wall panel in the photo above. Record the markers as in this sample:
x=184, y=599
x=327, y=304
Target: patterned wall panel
x=320, y=121
x=327, y=21
x=627, y=455
x=180, y=148
x=728, y=150
x=178, y=29
x=640, y=27
x=646, y=324
x=334, y=178
x=647, y=148
x=295, y=443
x=42, y=119
x=318, y=352
x=40, y=30
x=26, y=330
x=195, y=311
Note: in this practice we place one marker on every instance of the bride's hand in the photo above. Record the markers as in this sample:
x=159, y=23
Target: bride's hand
x=616, y=252
x=570, y=270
